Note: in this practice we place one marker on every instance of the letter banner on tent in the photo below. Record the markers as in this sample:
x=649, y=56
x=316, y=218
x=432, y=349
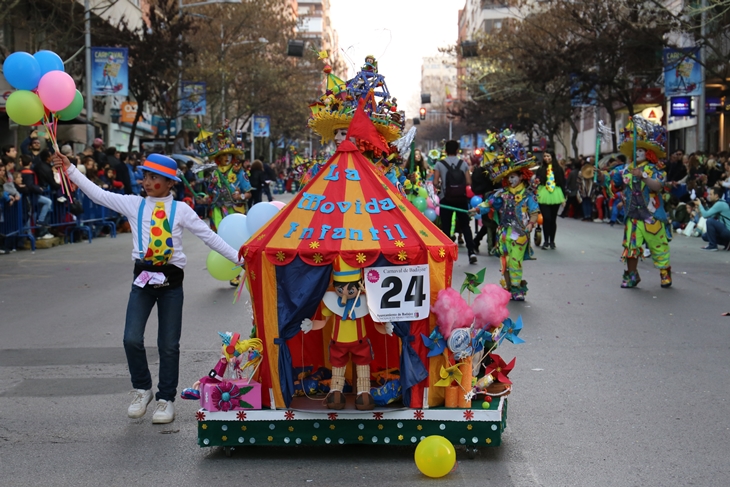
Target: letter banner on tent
x=398, y=293
x=192, y=101
x=109, y=71
x=682, y=72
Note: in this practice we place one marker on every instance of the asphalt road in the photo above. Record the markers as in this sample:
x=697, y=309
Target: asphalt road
x=613, y=387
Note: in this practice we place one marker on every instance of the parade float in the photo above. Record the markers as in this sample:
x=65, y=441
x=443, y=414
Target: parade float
x=436, y=373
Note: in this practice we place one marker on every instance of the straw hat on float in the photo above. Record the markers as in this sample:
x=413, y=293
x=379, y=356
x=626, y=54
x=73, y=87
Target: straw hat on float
x=336, y=107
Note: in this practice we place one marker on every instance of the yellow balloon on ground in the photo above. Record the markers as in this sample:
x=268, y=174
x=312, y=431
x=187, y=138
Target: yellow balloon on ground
x=221, y=268
x=435, y=456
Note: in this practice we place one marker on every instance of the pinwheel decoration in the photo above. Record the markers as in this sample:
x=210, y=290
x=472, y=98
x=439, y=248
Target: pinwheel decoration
x=472, y=281
x=449, y=375
x=510, y=330
x=480, y=337
x=498, y=369
x=434, y=342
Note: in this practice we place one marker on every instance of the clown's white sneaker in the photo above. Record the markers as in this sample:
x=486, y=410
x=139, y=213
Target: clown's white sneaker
x=139, y=403
x=164, y=412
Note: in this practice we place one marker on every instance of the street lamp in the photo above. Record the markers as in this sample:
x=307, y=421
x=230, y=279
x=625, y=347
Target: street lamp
x=181, y=6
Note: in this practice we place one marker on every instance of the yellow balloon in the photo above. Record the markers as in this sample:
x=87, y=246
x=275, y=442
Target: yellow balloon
x=435, y=456
x=221, y=268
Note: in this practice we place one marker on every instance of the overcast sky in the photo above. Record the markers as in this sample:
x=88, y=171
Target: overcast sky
x=399, y=33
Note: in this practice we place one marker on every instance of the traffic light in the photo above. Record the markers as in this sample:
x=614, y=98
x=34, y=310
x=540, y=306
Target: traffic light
x=422, y=113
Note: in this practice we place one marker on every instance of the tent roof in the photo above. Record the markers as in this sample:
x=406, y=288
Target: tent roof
x=350, y=210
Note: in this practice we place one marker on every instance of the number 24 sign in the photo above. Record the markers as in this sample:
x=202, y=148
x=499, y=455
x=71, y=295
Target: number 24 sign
x=398, y=293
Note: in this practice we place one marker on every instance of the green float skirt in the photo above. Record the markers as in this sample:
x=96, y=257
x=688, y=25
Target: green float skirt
x=545, y=197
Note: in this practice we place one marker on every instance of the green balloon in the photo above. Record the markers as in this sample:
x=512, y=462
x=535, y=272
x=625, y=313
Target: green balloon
x=221, y=268
x=73, y=110
x=24, y=107
x=422, y=193
x=420, y=203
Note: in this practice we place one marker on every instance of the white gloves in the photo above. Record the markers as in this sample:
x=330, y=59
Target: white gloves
x=306, y=325
x=388, y=328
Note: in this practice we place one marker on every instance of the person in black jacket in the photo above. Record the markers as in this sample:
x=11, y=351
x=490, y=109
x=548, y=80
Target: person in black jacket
x=28, y=188
x=257, y=179
x=112, y=158
x=270, y=176
x=481, y=185
x=44, y=171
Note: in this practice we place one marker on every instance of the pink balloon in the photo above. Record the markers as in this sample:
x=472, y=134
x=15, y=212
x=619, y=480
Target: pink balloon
x=278, y=204
x=56, y=90
x=429, y=203
x=438, y=211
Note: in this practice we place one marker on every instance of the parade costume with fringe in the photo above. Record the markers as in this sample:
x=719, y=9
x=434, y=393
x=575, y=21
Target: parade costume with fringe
x=645, y=216
x=515, y=206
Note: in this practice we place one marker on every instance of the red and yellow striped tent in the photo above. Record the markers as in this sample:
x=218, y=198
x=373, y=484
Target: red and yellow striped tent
x=348, y=210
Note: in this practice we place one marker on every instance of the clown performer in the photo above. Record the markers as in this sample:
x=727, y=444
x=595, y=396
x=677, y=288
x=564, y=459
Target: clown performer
x=157, y=223
x=349, y=340
x=229, y=187
x=516, y=206
x=642, y=184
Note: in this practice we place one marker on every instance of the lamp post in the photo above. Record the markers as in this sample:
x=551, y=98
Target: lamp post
x=89, y=89
x=181, y=6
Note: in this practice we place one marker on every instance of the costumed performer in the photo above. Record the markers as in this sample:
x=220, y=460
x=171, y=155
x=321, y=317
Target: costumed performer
x=516, y=206
x=229, y=187
x=157, y=223
x=642, y=183
x=348, y=305
x=550, y=195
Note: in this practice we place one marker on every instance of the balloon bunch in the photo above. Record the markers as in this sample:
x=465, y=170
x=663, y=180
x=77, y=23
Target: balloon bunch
x=235, y=229
x=45, y=94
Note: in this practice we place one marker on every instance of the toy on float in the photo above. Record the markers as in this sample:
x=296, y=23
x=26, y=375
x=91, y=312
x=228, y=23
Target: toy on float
x=467, y=336
x=348, y=306
x=335, y=109
x=230, y=384
x=45, y=94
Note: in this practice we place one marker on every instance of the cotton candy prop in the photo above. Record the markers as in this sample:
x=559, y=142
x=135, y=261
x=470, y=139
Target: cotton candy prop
x=490, y=306
x=451, y=311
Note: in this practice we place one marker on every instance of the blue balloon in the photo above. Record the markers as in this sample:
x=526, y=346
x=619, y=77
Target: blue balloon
x=22, y=71
x=233, y=230
x=259, y=215
x=48, y=61
x=430, y=214
x=476, y=201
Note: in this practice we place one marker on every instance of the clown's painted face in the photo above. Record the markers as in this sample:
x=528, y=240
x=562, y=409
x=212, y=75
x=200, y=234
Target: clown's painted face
x=640, y=155
x=514, y=179
x=340, y=136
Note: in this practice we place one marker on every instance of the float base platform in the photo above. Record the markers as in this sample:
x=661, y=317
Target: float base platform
x=308, y=422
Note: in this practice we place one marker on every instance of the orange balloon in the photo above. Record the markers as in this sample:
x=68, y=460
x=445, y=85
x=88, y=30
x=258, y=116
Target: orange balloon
x=539, y=219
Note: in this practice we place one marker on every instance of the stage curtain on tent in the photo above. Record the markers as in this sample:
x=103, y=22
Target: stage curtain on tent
x=300, y=288
x=412, y=370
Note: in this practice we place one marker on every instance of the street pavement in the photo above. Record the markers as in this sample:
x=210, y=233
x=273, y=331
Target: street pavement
x=614, y=387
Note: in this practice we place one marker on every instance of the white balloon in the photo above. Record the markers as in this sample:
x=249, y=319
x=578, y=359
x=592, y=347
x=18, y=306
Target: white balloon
x=233, y=230
x=259, y=215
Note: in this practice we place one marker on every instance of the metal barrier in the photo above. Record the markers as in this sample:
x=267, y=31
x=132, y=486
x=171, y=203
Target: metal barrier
x=11, y=224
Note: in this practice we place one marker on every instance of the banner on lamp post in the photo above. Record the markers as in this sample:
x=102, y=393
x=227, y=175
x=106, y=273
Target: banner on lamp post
x=192, y=101
x=261, y=126
x=109, y=71
x=682, y=72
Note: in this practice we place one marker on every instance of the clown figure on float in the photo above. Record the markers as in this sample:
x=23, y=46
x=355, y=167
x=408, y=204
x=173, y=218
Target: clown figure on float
x=349, y=341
